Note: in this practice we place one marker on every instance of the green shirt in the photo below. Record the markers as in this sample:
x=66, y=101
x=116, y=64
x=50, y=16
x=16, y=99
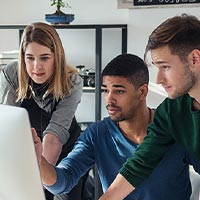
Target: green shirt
x=174, y=120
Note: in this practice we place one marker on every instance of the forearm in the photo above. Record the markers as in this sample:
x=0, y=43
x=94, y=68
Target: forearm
x=52, y=148
x=47, y=172
x=118, y=190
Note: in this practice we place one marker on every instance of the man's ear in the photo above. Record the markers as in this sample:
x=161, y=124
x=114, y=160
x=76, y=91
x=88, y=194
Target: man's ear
x=194, y=58
x=143, y=91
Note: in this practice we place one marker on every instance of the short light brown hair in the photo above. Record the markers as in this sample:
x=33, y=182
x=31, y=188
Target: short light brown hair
x=180, y=33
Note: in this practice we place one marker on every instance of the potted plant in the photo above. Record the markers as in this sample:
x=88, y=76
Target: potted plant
x=59, y=17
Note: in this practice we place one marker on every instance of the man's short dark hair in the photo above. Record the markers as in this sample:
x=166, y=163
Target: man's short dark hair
x=130, y=67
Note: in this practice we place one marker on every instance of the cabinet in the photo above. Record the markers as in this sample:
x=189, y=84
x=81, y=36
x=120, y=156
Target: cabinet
x=98, y=50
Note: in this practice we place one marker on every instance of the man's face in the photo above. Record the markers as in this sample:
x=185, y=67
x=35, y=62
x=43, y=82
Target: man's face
x=121, y=98
x=174, y=75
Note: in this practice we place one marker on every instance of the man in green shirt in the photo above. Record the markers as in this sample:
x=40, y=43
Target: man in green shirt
x=175, y=50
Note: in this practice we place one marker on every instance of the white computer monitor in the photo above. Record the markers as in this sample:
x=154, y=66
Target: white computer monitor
x=19, y=171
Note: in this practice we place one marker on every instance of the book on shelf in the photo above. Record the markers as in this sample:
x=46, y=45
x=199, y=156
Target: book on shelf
x=7, y=57
x=9, y=54
x=5, y=61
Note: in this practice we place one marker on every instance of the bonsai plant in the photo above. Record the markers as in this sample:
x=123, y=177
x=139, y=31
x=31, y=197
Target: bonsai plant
x=59, y=4
x=59, y=17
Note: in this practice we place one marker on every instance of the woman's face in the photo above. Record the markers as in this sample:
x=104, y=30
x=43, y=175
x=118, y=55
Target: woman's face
x=39, y=62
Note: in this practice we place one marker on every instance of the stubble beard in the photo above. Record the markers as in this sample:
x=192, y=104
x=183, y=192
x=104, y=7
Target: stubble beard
x=189, y=81
x=117, y=119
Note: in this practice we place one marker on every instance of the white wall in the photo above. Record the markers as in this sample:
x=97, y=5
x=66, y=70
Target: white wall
x=86, y=11
x=143, y=21
x=79, y=45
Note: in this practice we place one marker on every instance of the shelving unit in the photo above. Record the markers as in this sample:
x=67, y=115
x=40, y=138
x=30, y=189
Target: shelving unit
x=98, y=63
x=98, y=51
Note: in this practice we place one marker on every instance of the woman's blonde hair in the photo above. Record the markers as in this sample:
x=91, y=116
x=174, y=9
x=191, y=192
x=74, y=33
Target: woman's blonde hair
x=45, y=35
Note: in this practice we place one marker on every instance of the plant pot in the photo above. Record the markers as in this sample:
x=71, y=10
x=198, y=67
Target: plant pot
x=59, y=18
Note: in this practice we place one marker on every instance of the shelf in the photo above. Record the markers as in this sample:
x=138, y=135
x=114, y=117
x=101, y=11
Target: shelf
x=98, y=51
x=67, y=26
x=89, y=89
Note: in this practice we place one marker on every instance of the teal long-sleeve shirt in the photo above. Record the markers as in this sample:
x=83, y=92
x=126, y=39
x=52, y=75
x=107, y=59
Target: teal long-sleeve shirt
x=174, y=120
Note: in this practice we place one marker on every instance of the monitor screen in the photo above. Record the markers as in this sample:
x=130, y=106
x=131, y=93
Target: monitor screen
x=19, y=171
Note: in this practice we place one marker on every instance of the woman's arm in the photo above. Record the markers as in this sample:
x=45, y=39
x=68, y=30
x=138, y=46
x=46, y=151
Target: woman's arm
x=62, y=116
x=57, y=132
x=118, y=190
x=52, y=148
x=8, y=84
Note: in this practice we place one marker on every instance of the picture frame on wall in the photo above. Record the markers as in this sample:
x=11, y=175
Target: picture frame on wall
x=133, y=4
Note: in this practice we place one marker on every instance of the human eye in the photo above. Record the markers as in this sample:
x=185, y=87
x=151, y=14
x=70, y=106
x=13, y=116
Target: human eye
x=29, y=58
x=104, y=90
x=165, y=67
x=45, y=58
x=119, y=91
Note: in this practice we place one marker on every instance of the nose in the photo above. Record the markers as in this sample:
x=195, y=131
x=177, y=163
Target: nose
x=159, y=78
x=109, y=98
x=37, y=64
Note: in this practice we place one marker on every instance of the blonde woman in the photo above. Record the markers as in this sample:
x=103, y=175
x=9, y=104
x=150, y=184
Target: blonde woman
x=43, y=83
